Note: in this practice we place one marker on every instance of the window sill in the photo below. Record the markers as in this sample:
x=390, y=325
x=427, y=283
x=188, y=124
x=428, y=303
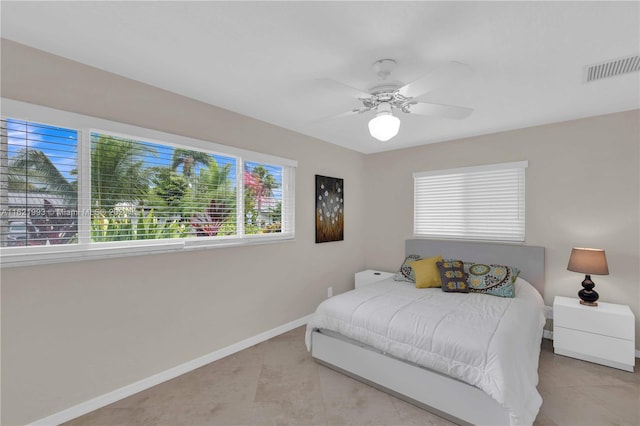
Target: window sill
x=18, y=257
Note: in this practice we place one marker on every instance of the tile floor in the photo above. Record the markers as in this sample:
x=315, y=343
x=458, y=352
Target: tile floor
x=278, y=383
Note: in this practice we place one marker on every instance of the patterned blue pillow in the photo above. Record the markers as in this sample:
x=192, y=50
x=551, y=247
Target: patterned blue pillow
x=406, y=272
x=496, y=280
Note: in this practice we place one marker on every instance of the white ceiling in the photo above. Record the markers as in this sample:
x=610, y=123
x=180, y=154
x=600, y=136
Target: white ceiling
x=264, y=59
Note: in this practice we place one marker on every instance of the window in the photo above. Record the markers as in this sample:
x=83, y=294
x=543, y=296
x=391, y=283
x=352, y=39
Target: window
x=69, y=192
x=475, y=203
x=145, y=191
x=39, y=197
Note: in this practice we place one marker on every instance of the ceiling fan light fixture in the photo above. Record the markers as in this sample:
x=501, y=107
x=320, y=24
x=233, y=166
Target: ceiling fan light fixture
x=384, y=125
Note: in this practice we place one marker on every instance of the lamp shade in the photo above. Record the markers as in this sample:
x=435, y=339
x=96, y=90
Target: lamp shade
x=588, y=261
x=384, y=125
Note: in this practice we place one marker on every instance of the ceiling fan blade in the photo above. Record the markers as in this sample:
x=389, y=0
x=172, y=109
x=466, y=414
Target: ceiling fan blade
x=343, y=88
x=435, y=79
x=439, y=110
x=354, y=111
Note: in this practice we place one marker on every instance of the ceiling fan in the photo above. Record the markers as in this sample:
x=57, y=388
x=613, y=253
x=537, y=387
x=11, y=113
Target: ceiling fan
x=388, y=95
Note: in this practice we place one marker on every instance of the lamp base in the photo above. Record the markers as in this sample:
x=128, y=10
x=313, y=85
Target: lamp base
x=588, y=296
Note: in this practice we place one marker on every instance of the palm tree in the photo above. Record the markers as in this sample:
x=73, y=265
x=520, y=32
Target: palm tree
x=215, y=193
x=266, y=187
x=215, y=178
x=117, y=171
x=263, y=185
x=189, y=160
x=31, y=170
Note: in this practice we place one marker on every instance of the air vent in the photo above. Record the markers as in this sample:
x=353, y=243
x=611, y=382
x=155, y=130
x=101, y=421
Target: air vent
x=612, y=68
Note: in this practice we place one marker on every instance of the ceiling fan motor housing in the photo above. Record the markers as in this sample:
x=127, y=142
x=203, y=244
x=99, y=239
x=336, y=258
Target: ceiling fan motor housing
x=387, y=94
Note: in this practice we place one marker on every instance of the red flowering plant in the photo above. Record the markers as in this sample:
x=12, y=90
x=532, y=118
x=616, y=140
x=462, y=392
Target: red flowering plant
x=208, y=223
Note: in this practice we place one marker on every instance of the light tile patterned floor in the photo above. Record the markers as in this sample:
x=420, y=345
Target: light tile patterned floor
x=278, y=383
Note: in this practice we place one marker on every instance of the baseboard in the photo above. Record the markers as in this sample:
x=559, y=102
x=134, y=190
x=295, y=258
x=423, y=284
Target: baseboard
x=126, y=391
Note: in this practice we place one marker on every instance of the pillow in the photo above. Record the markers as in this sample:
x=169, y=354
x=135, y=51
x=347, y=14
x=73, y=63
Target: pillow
x=496, y=280
x=453, y=276
x=406, y=273
x=426, y=272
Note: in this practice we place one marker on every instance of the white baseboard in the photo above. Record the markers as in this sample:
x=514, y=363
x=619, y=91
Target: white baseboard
x=125, y=391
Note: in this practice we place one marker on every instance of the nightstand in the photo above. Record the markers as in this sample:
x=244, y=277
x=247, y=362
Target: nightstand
x=370, y=276
x=603, y=334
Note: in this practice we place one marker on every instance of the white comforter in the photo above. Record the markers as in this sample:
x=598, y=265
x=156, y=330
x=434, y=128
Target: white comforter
x=490, y=342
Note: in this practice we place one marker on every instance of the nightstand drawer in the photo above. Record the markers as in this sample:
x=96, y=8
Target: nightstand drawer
x=591, y=347
x=606, y=319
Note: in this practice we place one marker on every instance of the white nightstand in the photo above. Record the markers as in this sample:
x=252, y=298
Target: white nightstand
x=371, y=276
x=603, y=334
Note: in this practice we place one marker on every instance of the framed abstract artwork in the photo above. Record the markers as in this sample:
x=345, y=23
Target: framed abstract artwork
x=329, y=209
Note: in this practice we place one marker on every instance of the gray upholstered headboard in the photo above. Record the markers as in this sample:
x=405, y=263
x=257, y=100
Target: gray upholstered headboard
x=529, y=259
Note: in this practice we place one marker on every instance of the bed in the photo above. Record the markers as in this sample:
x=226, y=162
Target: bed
x=471, y=358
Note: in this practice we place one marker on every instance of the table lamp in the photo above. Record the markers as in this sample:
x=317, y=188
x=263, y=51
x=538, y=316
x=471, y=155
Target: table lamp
x=588, y=261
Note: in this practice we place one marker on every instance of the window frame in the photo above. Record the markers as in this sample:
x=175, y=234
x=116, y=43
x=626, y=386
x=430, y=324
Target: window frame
x=84, y=249
x=520, y=184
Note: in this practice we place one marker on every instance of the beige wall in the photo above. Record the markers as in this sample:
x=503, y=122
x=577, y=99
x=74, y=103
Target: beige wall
x=74, y=331
x=582, y=186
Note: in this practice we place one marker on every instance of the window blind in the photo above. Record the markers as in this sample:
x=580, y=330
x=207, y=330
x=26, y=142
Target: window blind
x=475, y=203
x=70, y=193
x=144, y=190
x=38, y=191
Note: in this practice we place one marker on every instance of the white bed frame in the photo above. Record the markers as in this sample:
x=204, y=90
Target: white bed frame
x=445, y=396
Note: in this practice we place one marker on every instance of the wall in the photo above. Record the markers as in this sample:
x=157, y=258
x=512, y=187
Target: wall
x=74, y=331
x=582, y=190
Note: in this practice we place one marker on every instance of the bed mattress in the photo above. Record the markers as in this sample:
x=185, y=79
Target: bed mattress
x=489, y=342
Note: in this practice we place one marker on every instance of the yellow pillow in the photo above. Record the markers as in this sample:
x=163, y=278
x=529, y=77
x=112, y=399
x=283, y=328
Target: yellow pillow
x=426, y=272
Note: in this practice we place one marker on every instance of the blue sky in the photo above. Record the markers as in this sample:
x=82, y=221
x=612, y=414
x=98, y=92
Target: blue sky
x=59, y=144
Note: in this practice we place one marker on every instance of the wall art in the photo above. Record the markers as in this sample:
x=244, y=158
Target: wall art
x=329, y=209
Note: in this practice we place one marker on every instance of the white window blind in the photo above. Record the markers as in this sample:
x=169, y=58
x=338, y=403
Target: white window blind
x=475, y=203
x=144, y=190
x=38, y=191
x=70, y=192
